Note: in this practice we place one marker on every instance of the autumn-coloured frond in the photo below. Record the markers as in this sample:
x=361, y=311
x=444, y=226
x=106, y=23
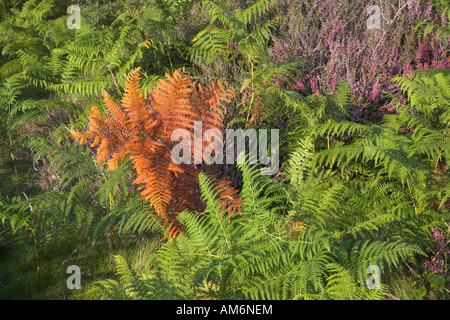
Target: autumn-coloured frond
x=209, y=104
x=230, y=199
x=142, y=129
x=172, y=102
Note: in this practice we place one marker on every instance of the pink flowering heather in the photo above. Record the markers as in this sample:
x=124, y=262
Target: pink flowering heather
x=438, y=261
x=374, y=92
x=372, y=70
x=300, y=85
x=313, y=86
x=333, y=38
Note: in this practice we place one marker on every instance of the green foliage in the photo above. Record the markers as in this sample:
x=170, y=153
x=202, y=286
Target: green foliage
x=441, y=31
x=348, y=195
x=53, y=68
x=383, y=174
x=251, y=255
x=232, y=37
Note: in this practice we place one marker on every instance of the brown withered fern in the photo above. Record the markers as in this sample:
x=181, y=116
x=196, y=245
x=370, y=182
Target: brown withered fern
x=142, y=129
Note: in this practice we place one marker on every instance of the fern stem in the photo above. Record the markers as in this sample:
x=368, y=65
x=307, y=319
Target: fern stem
x=422, y=209
x=251, y=100
x=12, y=156
x=36, y=249
x=312, y=136
x=202, y=254
x=168, y=54
x=110, y=71
x=440, y=154
x=110, y=235
x=111, y=202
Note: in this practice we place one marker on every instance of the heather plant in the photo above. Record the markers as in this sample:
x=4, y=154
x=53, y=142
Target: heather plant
x=439, y=255
x=431, y=273
x=334, y=39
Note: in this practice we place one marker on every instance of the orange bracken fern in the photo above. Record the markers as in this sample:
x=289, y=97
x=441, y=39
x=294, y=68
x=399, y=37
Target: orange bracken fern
x=142, y=129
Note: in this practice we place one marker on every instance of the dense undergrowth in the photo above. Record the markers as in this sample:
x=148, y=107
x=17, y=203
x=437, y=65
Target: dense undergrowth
x=86, y=178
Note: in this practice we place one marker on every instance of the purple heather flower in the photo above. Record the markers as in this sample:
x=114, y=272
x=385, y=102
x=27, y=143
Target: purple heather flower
x=374, y=92
x=313, y=87
x=373, y=69
x=300, y=84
